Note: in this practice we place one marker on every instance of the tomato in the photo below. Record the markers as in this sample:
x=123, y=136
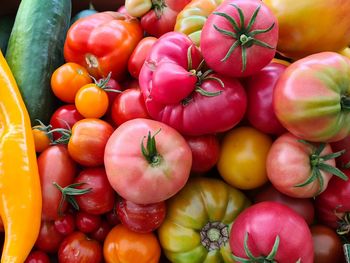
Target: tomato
x=242, y=161
x=124, y=245
x=299, y=168
x=103, y=43
x=285, y=234
x=327, y=245
x=260, y=87
x=49, y=239
x=112, y=217
x=100, y=199
x=303, y=32
x=88, y=141
x=101, y=232
x=139, y=55
x=67, y=79
x=205, y=152
x=196, y=227
x=179, y=92
x=42, y=139
x=141, y=218
x=303, y=206
x=55, y=166
x=319, y=112
x=129, y=105
x=37, y=256
x=65, y=224
x=89, y=250
x=147, y=161
x=342, y=145
x=87, y=223
x=248, y=32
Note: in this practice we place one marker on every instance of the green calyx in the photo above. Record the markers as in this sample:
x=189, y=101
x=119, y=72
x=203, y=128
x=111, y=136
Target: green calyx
x=243, y=35
x=45, y=128
x=102, y=83
x=343, y=223
x=150, y=151
x=345, y=103
x=317, y=163
x=158, y=6
x=65, y=135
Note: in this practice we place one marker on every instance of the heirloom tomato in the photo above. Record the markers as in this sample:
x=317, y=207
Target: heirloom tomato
x=299, y=168
x=247, y=32
x=242, y=161
x=198, y=221
x=123, y=245
x=312, y=97
x=271, y=232
x=147, y=161
x=179, y=92
x=103, y=43
x=308, y=27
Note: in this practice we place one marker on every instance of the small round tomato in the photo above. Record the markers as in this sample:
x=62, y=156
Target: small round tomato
x=101, y=232
x=141, y=218
x=88, y=141
x=37, y=256
x=78, y=248
x=42, y=139
x=327, y=245
x=124, y=245
x=242, y=161
x=86, y=222
x=65, y=224
x=49, y=239
x=112, y=217
x=68, y=79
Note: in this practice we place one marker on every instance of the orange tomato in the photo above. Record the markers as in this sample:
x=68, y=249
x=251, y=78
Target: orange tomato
x=67, y=80
x=125, y=246
x=42, y=139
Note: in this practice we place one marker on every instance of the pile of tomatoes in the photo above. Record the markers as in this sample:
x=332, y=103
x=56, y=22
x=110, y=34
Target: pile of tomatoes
x=221, y=142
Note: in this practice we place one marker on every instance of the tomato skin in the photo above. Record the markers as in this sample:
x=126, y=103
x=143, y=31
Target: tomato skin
x=327, y=245
x=322, y=104
x=41, y=139
x=55, y=166
x=37, y=256
x=267, y=220
x=171, y=166
x=49, y=239
x=87, y=223
x=260, y=86
x=242, y=161
x=86, y=43
x=101, y=233
x=124, y=245
x=141, y=218
x=67, y=79
x=205, y=152
x=129, y=105
x=88, y=140
x=90, y=251
x=139, y=55
x=101, y=197
x=256, y=56
x=303, y=206
x=65, y=224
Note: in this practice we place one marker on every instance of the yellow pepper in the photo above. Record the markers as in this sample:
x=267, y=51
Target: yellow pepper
x=20, y=193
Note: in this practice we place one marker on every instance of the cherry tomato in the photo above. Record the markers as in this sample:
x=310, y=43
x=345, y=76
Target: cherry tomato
x=65, y=224
x=78, y=248
x=49, y=239
x=100, y=199
x=87, y=223
x=141, y=218
x=37, y=256
x=68, y=79
x=100, y=233
x=42, y=139
x=112, y=217
x=88, y=140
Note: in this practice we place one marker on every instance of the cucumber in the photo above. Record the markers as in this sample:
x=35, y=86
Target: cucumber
x=35, y=50
x=6, y=24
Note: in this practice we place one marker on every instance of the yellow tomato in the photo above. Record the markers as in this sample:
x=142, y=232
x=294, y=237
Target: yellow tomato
x=243, y=153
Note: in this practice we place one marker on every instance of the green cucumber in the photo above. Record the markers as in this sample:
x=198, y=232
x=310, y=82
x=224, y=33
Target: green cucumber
x=6, y=24
x=35, y=50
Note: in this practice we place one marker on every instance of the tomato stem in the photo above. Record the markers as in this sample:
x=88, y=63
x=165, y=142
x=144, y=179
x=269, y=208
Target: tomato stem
x=158, y=6
x=345, y=103
x=150, y=151
x=45, y=129
x=214, y=235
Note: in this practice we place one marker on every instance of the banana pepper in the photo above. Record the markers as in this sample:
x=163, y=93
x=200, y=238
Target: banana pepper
x=20, y=194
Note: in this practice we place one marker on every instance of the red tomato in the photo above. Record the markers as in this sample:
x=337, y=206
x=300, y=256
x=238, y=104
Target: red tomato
x=86, y=222
x=271, y=231
x=129, y=105
x=78, y=248
x=141, y=218
x=88, y=140
x=247, y=32
x=147, y=161
x=49, y=239
x=37, y=256
x=158, y=26
x=112, y=217
x=100, y=233
x=303, y=206
x=100, y=199
x=55, y=166
x=205, y=152
x=65, y=224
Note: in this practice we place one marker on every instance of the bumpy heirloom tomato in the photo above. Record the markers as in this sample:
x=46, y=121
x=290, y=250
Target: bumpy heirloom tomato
x=311, y=26
x=178, y=92
x=198, y=221
x=271, y=232
x=247, y=32
x=312, y=97
x=103, y=43
x=147, y=161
